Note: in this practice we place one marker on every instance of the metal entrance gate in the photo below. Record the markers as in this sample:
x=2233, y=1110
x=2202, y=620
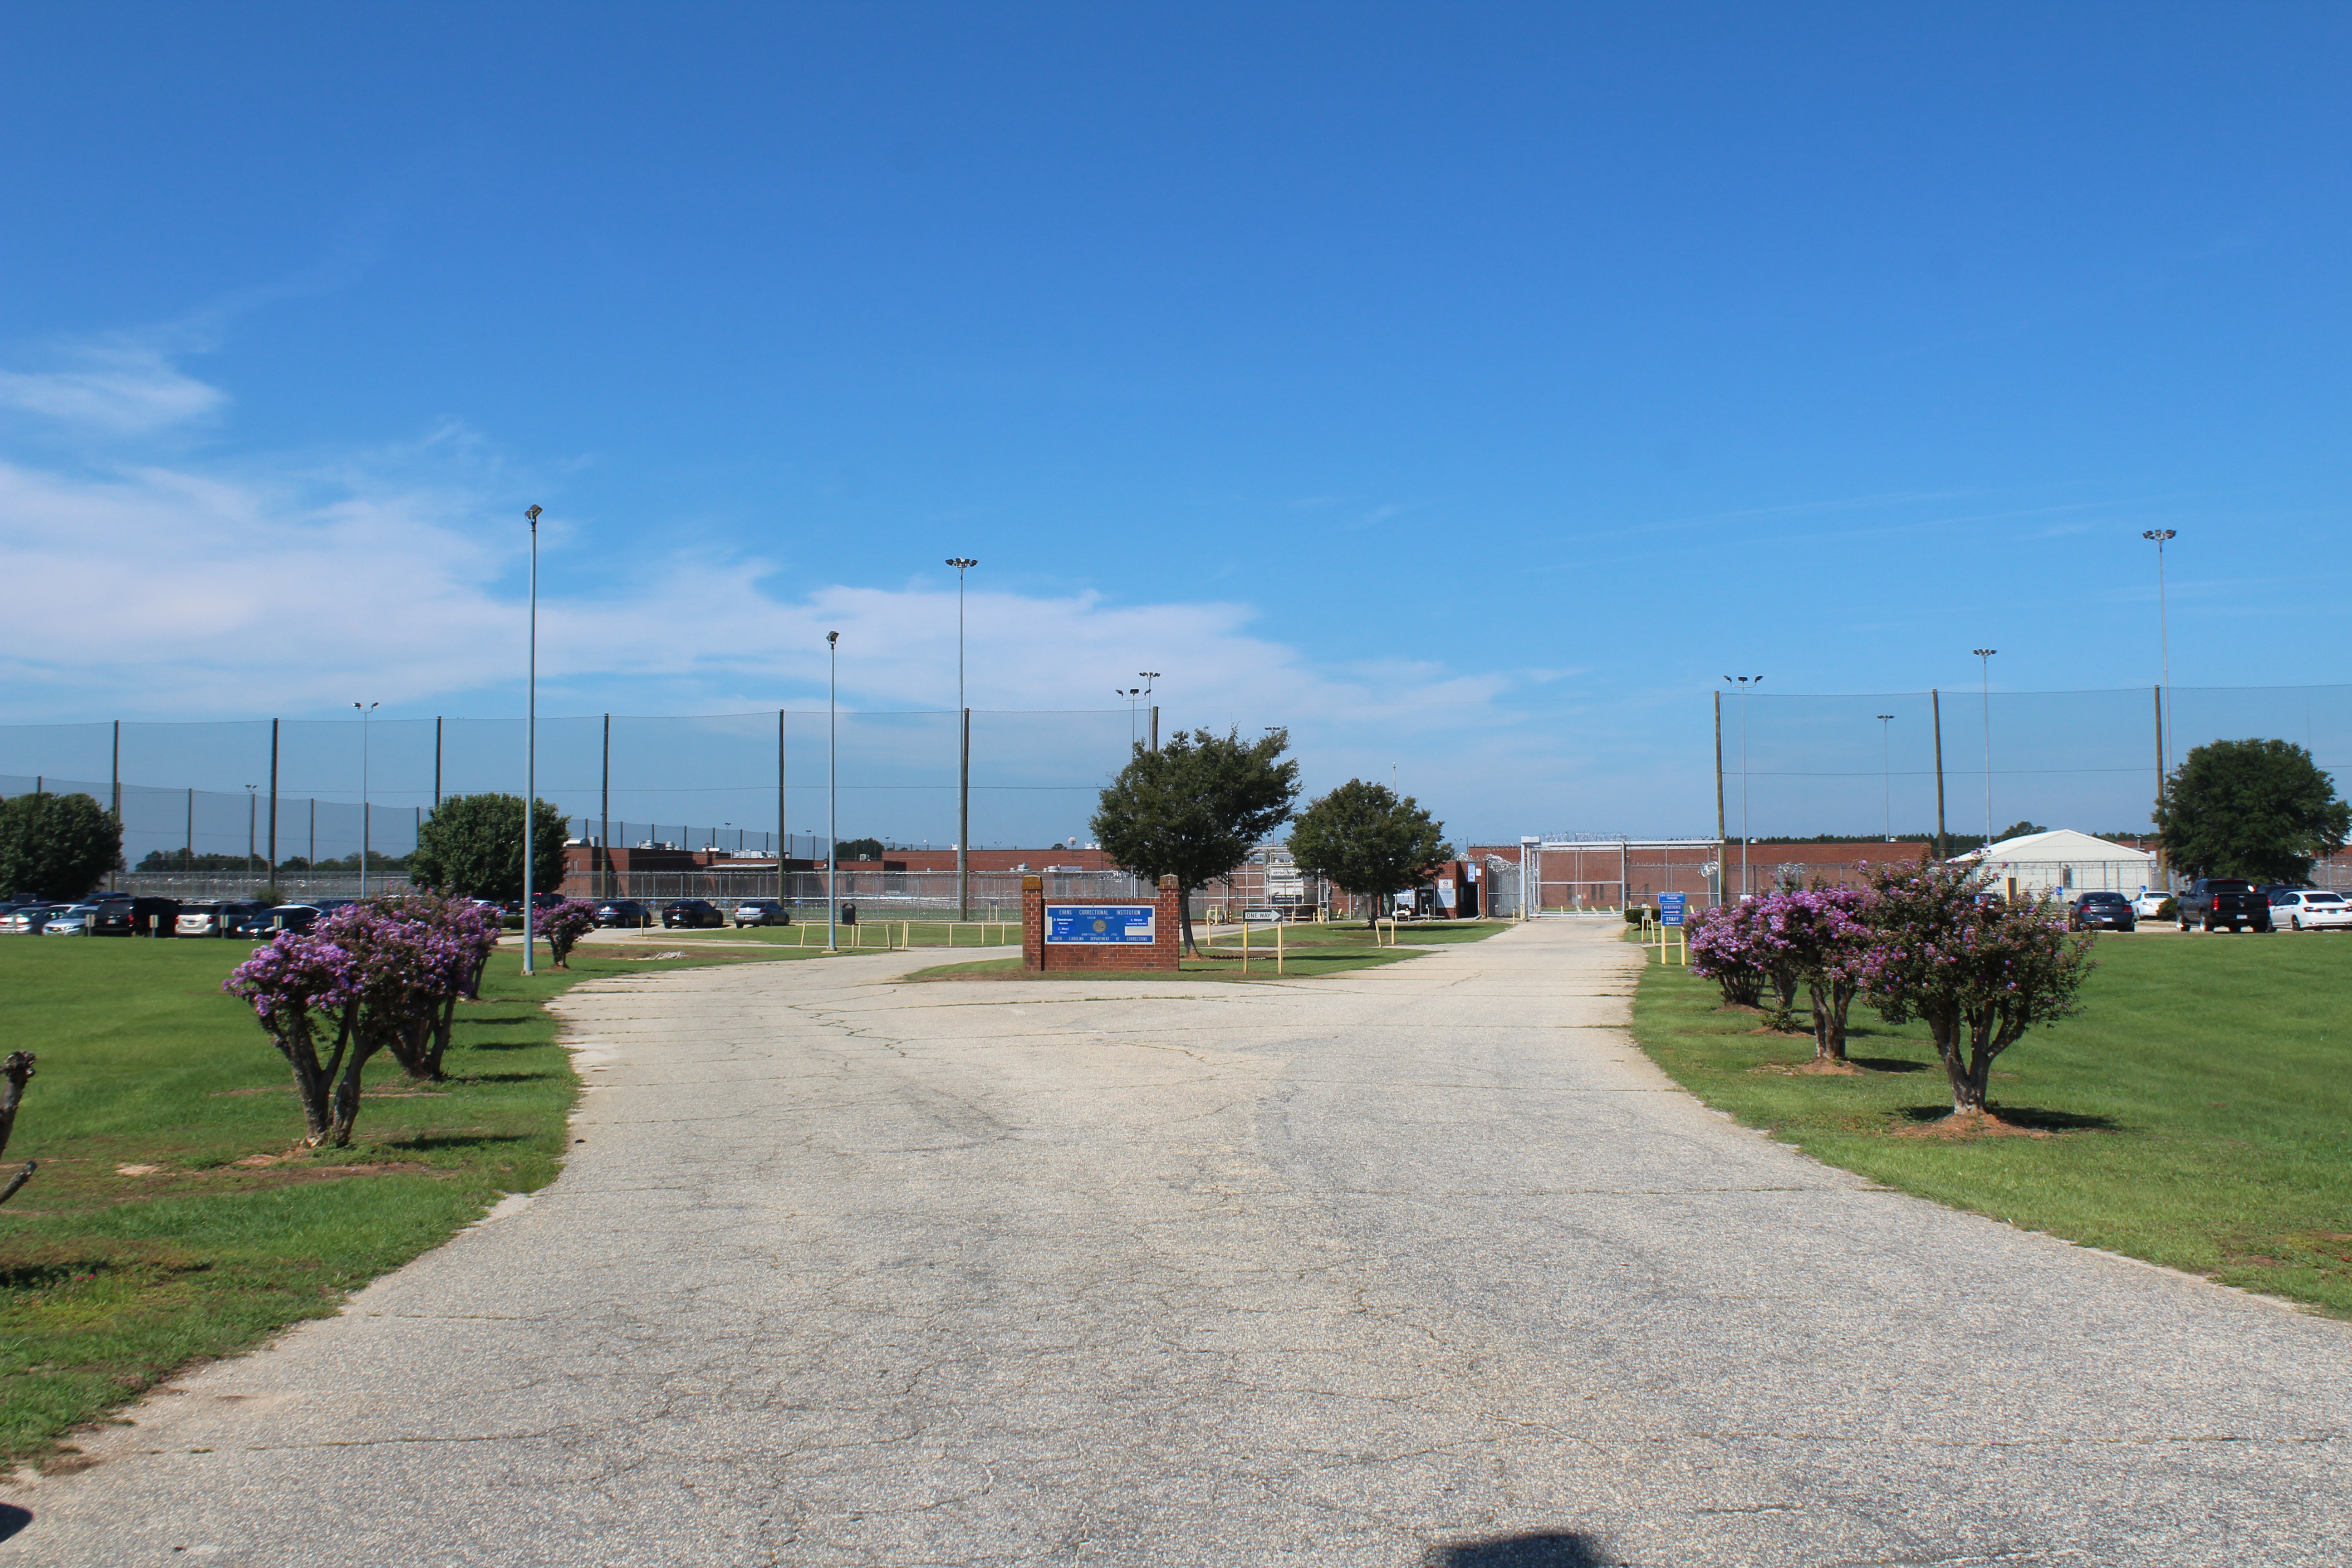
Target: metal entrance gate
x=1562, y=875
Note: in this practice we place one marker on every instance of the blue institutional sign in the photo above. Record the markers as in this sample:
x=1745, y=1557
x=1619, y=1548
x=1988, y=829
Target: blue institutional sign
x=1069, y=923
x=1670, y=908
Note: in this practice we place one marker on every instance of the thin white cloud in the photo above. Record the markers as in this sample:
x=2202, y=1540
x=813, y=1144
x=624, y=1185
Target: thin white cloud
x=118, y=390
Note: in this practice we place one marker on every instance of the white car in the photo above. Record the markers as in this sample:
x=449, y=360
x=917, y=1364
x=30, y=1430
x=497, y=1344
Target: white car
x=2147, y=905
x=2311, y=909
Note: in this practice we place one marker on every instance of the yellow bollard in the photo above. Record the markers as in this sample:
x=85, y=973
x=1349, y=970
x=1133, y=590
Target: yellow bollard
x=1245, y=947
x=1277, y=947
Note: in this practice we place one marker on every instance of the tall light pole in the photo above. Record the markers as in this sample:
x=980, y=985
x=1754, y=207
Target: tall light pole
x=832, y=789
x=962, y=564
x=1148, y=676
x=251, y=813
x=1984, y=664
x=1743, y=684
x=531, y=751
x=365, y=709
x=1886, y=738
x=2164, y=646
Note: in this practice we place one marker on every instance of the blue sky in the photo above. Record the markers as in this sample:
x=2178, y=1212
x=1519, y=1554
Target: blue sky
x=1470, y=390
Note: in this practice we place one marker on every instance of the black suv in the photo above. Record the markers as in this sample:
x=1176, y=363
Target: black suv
x=2102, y=911
x=2214, y=903
x=127, y=916
x=691, y=912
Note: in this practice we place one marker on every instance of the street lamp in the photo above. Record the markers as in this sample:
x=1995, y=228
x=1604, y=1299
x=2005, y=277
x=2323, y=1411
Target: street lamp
x=250, y=811
x=365, y=709
x=1743, y=684
x=962, y=564
x=1132, y=694
x=831, y=788
x=531, y=751
x=1887, y=738
x=1148, y=676
x=1984, y=664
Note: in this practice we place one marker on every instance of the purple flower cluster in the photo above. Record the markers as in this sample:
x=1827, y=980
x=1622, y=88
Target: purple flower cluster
x=381, y=975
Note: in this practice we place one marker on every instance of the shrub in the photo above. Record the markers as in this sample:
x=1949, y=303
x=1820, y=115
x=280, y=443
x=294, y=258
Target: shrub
x=565, y=925
x=1719, y=951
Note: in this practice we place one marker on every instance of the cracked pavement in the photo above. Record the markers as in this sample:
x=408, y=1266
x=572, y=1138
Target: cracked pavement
x=1418, y=1265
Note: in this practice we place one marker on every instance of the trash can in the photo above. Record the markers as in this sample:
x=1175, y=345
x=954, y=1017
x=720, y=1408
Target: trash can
x=849, y=914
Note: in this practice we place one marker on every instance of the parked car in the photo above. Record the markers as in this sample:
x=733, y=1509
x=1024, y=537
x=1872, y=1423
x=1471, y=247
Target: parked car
x=624, y=913
x=691, y=913
x=2311, y=908
x=328, y=906
x=2149, y=906
x=129, y=916
x=27, y=919
x=217, y=917
x=293, y=917
x=2215, y=902
x=73, y=921
x=248, y=918
x=2102, y=911
x=762, y=912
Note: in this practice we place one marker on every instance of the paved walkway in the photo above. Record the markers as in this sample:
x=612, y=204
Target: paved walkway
x=1422, y=1264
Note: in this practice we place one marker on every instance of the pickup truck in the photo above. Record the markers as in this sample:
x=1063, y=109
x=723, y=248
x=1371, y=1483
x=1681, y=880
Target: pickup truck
x=2214, y=903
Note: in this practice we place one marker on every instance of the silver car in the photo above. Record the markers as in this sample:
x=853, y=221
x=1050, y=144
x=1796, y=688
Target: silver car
x=762, y=912
x=31, y=920
x=74, y=922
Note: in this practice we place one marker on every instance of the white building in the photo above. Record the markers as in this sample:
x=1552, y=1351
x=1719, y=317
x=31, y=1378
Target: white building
x=2062, y=863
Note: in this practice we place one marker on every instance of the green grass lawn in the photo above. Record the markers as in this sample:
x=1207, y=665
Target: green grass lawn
x=2198, y=1112
x=1309, y=951
x=112, y=1274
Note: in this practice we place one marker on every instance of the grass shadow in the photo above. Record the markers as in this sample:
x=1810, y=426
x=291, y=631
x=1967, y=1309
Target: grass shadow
x=428, y=1141
x=1887, y=1064
x=499, y=1077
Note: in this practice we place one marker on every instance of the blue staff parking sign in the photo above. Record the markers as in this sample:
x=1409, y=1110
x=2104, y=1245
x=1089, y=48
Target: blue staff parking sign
x=1670, y=908
x=1080, y=925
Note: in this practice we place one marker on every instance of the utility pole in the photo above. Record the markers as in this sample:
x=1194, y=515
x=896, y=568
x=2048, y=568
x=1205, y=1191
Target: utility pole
x=1984, y=666
x=273, y=800
x=785, y=848
x=1151, y=675
x=962, y=564
x=831, y=791
x=436, y=762
x=116, y=792
x=605, y=816
x=530, y=749
x=1935, y=708
x=1743, y=684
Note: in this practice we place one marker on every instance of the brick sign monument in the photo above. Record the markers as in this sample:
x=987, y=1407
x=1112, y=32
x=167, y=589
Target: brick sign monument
x=1099, y=936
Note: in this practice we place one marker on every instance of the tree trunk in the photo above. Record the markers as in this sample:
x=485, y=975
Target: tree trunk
x=1830, y=1003
x=444, y=1020
x=1184, y=919
x=18, y=1071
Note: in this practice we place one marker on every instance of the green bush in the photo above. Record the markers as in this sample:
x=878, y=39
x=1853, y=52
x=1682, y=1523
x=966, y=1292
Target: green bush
x=1636, y=913
x=2169, y=910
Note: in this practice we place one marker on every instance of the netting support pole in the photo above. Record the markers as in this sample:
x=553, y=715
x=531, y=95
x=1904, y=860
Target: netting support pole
x=1719, y=797
x=116, y=792
x=1936, y=709
x=189, y=863
x=273, y=801
x=605, y=818
x=2161, y=869
x=783, y=843
x=964, y=822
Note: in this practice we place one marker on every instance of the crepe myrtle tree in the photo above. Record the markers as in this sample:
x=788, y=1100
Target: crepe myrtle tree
x=565, y=925
x=1979, y=975
x=1719, y=951
x=1823, y=939
x=15, y=1072
x=1365, y=839
x=471, y=846
x=379, y=976
x=1194, y=808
